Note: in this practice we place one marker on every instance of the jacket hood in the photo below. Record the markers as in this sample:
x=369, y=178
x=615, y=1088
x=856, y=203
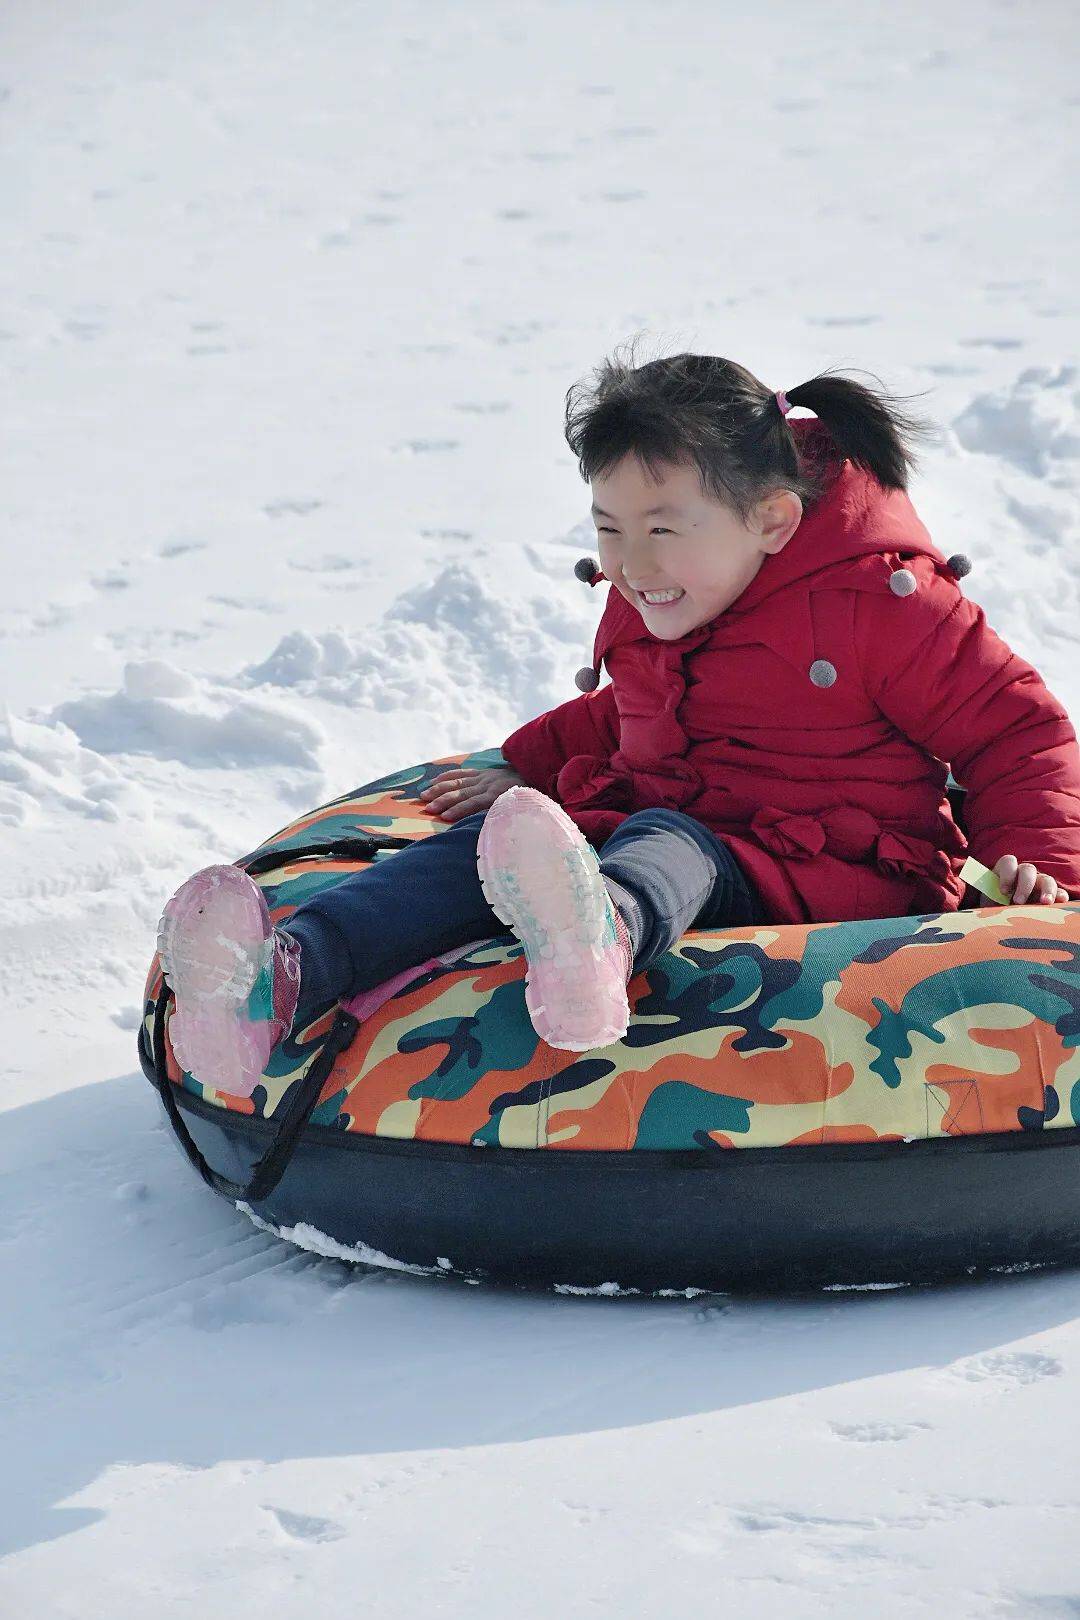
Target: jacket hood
x=850, y=535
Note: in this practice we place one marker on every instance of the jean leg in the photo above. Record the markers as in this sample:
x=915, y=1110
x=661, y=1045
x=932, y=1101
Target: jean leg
x=405, y=907
x=665, y=871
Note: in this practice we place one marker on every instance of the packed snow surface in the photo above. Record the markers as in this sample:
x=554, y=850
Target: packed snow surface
x=290, y=298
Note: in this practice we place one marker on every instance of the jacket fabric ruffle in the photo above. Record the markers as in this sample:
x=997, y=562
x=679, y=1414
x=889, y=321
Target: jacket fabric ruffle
x=813, y=723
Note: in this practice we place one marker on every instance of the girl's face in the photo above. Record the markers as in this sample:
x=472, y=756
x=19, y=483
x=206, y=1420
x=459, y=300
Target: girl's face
x=669, y=536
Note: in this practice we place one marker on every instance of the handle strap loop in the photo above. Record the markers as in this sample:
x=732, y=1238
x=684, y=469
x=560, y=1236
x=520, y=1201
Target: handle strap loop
x=268, y=1171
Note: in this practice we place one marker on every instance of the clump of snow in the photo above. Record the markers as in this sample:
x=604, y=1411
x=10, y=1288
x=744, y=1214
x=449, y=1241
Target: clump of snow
x=45, y=767
x=861, y=1288
x=309, y=1237
x=302, y=659
x=601, y=1289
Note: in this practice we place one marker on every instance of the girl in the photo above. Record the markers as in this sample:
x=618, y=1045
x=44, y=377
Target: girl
x=792, y=666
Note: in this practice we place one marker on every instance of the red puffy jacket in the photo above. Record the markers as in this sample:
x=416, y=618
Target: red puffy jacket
x=812, y=724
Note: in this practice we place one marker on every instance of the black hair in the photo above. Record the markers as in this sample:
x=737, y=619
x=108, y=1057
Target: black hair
x=713, y=413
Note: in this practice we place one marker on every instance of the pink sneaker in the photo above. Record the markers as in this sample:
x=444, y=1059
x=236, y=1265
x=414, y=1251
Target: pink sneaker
x=541, y=878
x=236, y=978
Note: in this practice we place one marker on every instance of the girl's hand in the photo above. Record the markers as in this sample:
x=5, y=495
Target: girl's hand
x=1022, y=879
x=462, y=791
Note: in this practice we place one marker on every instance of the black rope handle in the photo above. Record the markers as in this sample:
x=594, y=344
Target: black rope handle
x=269, y=1170
x=361, y=848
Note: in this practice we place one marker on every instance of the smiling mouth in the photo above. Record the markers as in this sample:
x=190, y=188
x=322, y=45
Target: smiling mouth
x=664, y=599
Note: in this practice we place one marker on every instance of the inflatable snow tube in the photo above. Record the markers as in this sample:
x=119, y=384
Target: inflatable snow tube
x=893, y=1100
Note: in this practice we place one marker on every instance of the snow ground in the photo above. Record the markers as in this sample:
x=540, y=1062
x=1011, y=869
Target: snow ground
x=290, y=297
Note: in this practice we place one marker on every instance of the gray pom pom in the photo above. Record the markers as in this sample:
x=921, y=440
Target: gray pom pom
x=585, y=568
x=586, y=679
x=902, y=582
x=822, y=673
x=958, y=565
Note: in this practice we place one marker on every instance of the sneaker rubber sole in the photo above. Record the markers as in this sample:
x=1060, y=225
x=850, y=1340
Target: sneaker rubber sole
x=214, y=940
x=542, y=879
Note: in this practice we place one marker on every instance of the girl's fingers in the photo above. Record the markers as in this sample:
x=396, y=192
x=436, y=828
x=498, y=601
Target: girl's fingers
x=467, y=808
x=1022, y=881
x=448, y=796
x=448, y=781
x=1006, y=871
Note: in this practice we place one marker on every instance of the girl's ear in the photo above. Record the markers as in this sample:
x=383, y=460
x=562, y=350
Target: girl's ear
x=779, y=516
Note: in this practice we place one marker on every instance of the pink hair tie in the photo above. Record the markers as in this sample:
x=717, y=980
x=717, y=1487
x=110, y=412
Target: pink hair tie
x=783, y=402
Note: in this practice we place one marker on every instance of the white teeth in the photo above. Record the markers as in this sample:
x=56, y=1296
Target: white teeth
x=662, y=596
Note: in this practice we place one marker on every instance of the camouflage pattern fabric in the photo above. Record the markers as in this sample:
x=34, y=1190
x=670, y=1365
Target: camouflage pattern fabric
x=903, y=1027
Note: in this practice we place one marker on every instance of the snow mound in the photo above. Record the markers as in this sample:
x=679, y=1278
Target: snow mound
x=1033, y=422
x=450, y=644
x=168, y=714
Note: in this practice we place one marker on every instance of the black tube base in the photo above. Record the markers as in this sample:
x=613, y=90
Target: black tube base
x=733, y=1219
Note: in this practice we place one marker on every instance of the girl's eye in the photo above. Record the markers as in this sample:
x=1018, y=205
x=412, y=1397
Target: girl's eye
x=656, y=530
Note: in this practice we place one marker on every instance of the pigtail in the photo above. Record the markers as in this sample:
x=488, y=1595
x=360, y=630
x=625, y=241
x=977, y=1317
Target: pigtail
x=867, y=427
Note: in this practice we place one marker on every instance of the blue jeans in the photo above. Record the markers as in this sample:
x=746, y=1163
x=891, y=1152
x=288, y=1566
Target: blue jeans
x=664, y=871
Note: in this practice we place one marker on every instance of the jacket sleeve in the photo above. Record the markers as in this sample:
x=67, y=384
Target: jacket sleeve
x=539, y=749
x=944, y=677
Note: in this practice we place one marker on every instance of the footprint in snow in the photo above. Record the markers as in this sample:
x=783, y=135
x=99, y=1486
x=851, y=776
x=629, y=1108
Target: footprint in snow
x=84, y=330
x=876, y=1433
x=990, y=343
x=331, y=563
x=421, y=447
x=305, y=1526
x=842, y=320
x=291, y=508
x=1006, y=1370
x=180, y=548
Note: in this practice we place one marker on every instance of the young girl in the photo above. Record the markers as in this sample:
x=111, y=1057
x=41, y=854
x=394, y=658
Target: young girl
x=793, y=667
